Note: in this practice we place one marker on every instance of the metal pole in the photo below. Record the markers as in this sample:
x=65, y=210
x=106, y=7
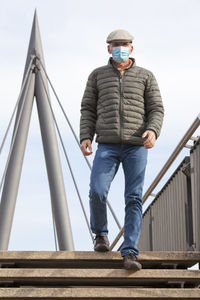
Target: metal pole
x=12, y=177
x=56, y=182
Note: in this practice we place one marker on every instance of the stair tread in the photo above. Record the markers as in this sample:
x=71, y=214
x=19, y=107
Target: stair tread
x=91, y=255
x=91, y=259
x=92, y=293
x=65, y=274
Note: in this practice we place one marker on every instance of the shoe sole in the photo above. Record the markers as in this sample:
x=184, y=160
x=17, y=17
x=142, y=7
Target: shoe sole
x=134, y=267
x=102, y=249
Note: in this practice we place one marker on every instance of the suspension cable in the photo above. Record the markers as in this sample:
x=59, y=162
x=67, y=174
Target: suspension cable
x=67, y=119
x=11, y=119
x=76, y=138
x=67, y=159
x=16, y=128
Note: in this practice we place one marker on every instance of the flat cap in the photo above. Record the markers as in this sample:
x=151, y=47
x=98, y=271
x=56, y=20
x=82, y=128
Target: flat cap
x=119, y=35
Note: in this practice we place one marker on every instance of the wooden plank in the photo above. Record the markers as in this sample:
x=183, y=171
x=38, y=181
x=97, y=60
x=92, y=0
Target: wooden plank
x=97, y=276
x=97, y=293
x=89, y=259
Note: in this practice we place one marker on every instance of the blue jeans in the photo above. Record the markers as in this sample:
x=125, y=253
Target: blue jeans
x=105, y=166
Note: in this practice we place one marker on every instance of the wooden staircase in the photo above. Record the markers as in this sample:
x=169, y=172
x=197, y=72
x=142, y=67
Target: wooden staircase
x=92, y=275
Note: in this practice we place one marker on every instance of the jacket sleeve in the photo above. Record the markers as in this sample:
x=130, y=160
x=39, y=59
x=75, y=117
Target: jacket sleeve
x=88, y=109
x=153, y=105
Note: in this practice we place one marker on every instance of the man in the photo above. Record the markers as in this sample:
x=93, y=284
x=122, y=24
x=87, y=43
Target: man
x=123, y=106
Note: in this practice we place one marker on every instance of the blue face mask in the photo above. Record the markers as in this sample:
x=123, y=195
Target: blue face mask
x=120, y=53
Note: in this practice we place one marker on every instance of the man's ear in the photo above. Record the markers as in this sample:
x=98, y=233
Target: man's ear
x=131, y=49
x=109, y=49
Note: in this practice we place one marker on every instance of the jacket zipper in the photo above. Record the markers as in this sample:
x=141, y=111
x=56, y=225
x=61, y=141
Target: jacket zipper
x=120, y=106
x=121, y=99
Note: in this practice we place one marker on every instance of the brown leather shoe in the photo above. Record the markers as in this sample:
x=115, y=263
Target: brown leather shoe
x=101, y=243
x=131, y=263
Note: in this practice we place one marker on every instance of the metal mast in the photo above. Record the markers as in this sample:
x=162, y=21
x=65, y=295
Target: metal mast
x=36, y=85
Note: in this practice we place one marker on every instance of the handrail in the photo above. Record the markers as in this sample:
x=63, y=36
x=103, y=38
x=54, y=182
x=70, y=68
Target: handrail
x=165, y=168
x=173, y=156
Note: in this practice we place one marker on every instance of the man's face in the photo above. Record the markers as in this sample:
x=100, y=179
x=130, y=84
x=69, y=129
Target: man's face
x=118, y=44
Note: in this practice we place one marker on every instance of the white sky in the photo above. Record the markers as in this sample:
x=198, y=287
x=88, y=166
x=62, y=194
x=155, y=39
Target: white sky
x=73, y=36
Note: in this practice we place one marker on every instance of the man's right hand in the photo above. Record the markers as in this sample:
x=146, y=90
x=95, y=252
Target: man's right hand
x=86, y=147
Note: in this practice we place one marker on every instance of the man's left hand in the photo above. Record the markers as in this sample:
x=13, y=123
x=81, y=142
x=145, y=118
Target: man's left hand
x=150, y=139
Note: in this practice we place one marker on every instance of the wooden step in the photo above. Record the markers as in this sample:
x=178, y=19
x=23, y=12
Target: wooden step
x=97, y=293
x=114, y=277
x=89, y=259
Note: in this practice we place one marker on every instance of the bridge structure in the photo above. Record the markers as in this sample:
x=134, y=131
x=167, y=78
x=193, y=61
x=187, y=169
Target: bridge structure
x=170, y=238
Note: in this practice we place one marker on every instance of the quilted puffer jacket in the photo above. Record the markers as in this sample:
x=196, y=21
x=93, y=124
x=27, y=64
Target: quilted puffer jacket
x=119, y=108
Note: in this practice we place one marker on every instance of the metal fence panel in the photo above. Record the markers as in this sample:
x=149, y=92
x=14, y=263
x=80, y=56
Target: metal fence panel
x=170, y=212
x=195, y=186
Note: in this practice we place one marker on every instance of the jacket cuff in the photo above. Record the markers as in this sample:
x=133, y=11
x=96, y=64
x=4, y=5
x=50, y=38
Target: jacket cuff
x=85, y=138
